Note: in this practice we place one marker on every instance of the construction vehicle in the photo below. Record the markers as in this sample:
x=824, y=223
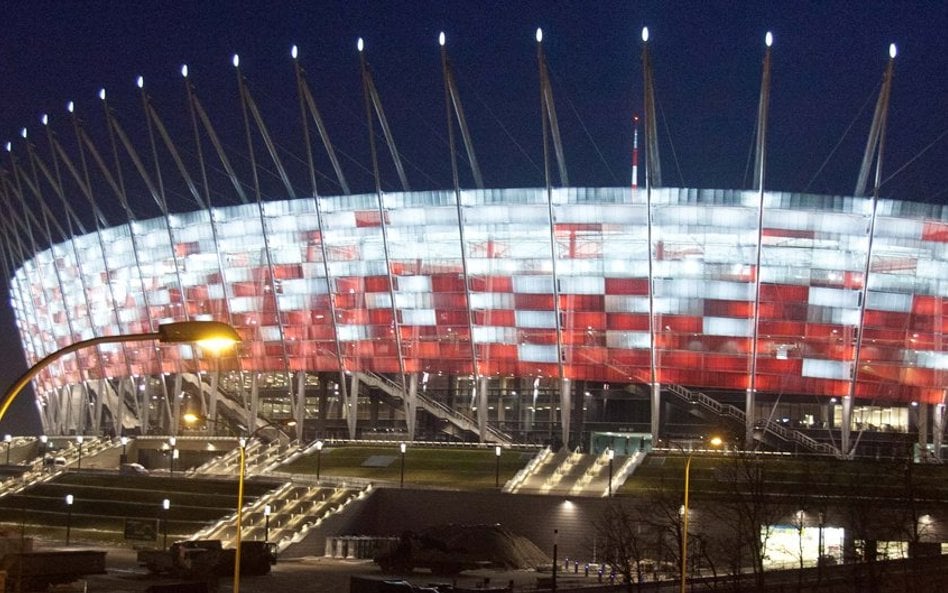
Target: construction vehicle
x=195, y=559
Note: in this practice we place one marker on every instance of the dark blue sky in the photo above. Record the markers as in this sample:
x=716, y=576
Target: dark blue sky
x=828, y=61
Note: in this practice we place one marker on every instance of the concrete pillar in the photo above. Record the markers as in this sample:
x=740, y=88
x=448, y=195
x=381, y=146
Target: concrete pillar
x=566, y=408
x=923, y=426
x=938, y=429
x=749, y=418
x=411, y=405
x=351, y=408
x=656, y=410
x=846, y=425
x=481, y=386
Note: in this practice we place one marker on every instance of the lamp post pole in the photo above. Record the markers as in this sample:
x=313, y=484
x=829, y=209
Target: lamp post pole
x=611, y=454
x=165, y=506
x=8, y=439
x=79, y=440
x=69, y=500
x=242, y=442
x=401, y=481
x=173, y=441
x=319, y=454
x=497, y=466
x=556, y=533
x=266, y=523
x=684, y=527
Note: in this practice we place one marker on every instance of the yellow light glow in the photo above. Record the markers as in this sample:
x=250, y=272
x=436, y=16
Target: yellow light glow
x=716, y=441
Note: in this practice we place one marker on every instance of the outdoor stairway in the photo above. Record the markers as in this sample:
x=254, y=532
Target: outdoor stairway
x=294, y=510
x=789, y=435
x=573, y=474
x=259, y=457
x=435, y=408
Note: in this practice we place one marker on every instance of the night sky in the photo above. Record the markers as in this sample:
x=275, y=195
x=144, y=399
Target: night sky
x=827, y=64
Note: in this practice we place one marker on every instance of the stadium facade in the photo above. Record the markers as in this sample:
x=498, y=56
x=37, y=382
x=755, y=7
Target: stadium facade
x=513, y=314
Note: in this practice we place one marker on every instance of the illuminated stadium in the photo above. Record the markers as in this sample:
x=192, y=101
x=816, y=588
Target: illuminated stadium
x=502, y=315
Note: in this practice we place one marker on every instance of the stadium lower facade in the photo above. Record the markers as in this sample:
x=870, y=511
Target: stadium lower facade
x=504, y=315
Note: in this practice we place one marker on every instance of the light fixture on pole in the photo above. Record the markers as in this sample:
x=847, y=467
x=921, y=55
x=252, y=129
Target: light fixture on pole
x=173, y=441
x=714, y=442
x=210, y=335
x=43, y=439
x=497, y=466
x=266, y=523
x=401, y=481
x=69, y=500
x=79, y=439
x=165, y=506
x=8, y=439
x=124, y=441
x=319, y=454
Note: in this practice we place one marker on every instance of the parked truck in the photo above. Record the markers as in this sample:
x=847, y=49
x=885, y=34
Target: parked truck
x=196, y=559
x=26, y=569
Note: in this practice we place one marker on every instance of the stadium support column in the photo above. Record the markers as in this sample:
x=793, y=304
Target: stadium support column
x=299, y=411
x=566, y=406
x=482, y=405
x=411, y=405
x=845, y=428
x=923, y=426
x=760, y=168
x=653, y=177
x=938, y=429
x=352, y=406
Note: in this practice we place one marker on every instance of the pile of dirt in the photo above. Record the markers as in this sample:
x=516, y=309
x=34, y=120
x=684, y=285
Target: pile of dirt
x=495, y=544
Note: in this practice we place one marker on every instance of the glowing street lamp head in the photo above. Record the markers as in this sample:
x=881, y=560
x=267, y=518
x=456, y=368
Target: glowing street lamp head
x=892, y=51
x=402, y=447
x=184, y=70
x=716, y=441
x=140, y=82
x=769, y=39
x=319, y=445
x=235, y=61
x=69, y=499
x=71, y=106
x=166, y=504
x=539, y=35
x=23, y=133
x=294, y=52
x=210, y=335
x=645, y=34
x=102, y=94
x=360, y=44
x=441, y=39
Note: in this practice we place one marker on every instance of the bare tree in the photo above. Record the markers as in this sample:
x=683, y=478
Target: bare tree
x=627, y=541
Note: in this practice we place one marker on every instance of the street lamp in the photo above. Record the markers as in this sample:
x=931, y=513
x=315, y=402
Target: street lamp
x=319, y=454
x=497, y=466
x=79, y=439
x=266, y=523
x=173, y=441
x=165, y=506
x=8, y=439
x=211, y=335
x=124, y=441
x=610, y=455
x=43, y=439
x=401, y=481
x=714, y=442
x=69, y=500
x=242, y=443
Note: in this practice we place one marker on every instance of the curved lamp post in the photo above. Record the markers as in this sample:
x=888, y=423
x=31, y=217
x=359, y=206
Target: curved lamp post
x=714, y=442
x=213, y=335
x=241, y=474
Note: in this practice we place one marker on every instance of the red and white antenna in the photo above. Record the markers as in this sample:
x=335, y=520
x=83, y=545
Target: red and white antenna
x=635, y=152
